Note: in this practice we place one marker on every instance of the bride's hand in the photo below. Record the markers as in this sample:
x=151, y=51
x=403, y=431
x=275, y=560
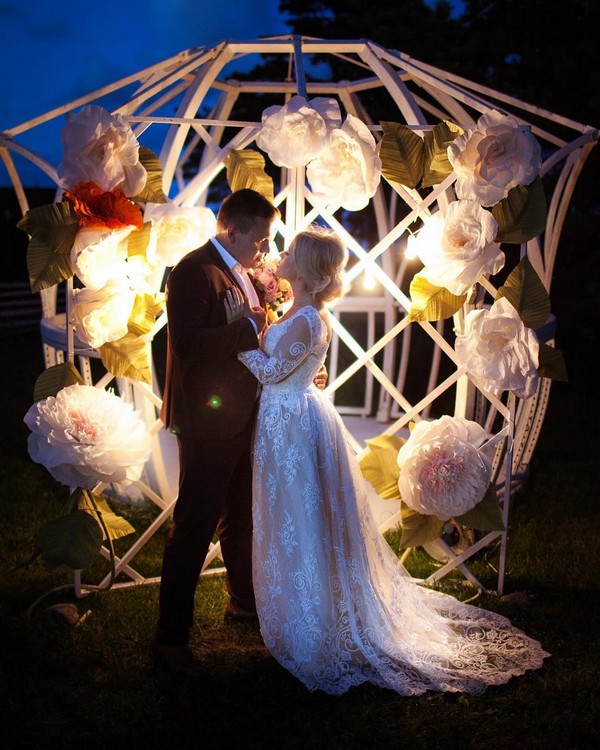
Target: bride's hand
x=235, y=304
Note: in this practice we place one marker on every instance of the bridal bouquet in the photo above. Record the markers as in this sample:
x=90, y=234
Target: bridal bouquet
x=275, y=290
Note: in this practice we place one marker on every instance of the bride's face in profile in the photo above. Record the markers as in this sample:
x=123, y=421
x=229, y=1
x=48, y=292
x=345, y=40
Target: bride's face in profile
x=287, y=268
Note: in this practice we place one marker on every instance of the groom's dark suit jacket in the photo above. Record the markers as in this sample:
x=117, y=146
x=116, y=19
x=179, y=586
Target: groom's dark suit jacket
x=209, y=393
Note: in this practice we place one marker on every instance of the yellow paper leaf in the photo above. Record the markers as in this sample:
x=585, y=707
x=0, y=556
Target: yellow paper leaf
x=137, y=241
x=153, y=190
x=522, y=214
x=54, y=379
x=380, y=466
x=116, y=526
x=525, y=291
x=402, y=154
x=127, y=357
x=143, y=315
x=431, y=302
x=437, y=140
x=246, y=169
x=52, y=229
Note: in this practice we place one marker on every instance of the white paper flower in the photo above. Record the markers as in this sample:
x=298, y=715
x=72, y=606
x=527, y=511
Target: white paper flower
x=295, y=133
x=176, y=231
x=100, y=255
x=494, y=157
x=348, y=170
x=499, y=351
x=101, y=315
x=456, y=245
x=442, y=471
x=102, y=148
x=87, y=435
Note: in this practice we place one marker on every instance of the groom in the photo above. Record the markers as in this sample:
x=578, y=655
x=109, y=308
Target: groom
x=209, y=403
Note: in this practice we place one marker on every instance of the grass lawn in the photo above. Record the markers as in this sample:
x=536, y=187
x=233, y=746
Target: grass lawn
x=94, y=685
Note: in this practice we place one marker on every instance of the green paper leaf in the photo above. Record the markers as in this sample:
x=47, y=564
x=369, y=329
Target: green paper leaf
x=54, y=379
x=380, y=465
x=246, y=169
x=552, y=364
x=418, y=529
x=522, y=214
x=486, y=515
x=402, y=154
x=527, y=294
x=52, y=229
x=437, y=140
x=431, y=302
x=72, y=540
x=153, y=190
x=117, y=526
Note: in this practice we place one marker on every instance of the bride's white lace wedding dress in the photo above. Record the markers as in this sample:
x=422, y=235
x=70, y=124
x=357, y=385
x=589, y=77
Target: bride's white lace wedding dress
x=336, y=607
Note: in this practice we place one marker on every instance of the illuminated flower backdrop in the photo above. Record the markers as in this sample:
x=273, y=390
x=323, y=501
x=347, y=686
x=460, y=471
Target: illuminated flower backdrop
x=116, y=232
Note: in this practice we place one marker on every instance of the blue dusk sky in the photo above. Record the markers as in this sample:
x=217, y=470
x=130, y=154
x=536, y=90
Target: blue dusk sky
x=53, y=52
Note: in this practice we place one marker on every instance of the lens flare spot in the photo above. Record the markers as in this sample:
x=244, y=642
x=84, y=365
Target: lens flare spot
x=214, y=402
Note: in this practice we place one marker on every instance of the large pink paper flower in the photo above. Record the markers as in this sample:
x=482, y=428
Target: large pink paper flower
x=499, y=351
x=442, y=471
x=494, y=157
x=87, y=435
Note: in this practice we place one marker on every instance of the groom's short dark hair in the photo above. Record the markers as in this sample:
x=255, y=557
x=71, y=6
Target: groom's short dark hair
x=242, y=208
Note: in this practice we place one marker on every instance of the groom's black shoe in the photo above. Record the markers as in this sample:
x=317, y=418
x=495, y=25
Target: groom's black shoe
x=178, y=658
x=239, y=615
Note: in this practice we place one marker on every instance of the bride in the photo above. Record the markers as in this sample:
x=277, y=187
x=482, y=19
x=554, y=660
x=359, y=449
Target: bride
x=335, y=605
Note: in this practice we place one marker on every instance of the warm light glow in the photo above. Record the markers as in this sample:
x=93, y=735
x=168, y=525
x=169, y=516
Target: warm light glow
x=411, y=251
x=369, y=281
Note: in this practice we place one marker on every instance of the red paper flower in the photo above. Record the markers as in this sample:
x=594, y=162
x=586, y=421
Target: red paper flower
x=97, y=208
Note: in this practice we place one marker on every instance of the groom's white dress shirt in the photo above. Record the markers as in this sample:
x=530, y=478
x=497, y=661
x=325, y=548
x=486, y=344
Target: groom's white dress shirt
x=241, y=274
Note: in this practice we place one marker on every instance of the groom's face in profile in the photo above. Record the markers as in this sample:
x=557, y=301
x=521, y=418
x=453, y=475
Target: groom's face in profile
x=248, y=248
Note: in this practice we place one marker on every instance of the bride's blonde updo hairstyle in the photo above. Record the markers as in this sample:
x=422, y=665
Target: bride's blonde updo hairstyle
x=320, y=257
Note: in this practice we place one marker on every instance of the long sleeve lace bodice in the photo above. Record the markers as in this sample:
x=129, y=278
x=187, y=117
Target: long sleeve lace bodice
x=292, y=353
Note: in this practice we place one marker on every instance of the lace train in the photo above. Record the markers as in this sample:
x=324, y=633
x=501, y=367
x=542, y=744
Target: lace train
x=335, y=605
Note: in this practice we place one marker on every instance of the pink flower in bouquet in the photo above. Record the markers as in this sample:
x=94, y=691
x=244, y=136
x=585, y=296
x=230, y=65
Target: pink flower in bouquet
x=275, y=290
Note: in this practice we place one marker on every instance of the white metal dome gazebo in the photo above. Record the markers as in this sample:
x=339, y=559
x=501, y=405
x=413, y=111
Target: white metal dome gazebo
x=189, y=107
